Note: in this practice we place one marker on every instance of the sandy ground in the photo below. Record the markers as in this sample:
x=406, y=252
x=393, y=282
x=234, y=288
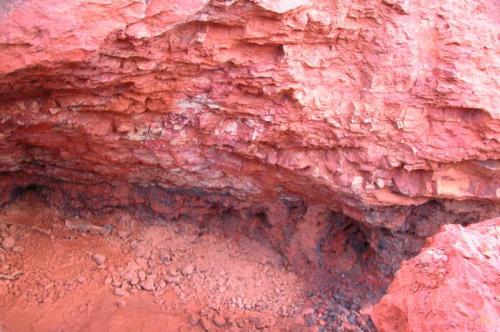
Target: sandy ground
x=116, y=274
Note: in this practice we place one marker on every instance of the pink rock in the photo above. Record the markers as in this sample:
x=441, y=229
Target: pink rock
x=347, y=103
x=452, y=285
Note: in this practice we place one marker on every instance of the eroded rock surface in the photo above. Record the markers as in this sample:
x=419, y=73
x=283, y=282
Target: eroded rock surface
x=342, y=132
x=346, y=103
x=452, y=285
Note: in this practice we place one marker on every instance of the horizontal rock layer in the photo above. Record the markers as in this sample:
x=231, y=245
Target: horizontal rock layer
x=351, y=104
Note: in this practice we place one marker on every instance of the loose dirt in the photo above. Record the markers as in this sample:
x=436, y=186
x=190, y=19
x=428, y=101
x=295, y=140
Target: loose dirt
x=114, y=273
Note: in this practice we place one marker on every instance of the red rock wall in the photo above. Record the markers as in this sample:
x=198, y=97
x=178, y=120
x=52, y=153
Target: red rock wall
x=346, y=103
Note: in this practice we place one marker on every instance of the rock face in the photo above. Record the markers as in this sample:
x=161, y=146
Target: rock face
x=351, y=104
x=345, y=132
x=452, y=285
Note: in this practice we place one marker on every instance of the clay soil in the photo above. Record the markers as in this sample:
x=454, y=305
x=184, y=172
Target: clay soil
x=114, y=273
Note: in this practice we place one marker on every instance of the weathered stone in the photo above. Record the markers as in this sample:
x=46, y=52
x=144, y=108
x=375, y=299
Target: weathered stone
x=99, y=259
x=404, y=99
x=219, y=321
x=289, y=110
x=8, y=243
x=120, y=292
x=452, y=285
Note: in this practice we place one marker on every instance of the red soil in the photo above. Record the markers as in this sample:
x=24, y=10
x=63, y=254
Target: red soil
x=168, y=276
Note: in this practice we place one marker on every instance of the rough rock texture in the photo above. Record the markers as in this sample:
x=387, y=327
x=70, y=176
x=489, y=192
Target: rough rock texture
x=452, y=285
x=344, y=132
x=352, y=104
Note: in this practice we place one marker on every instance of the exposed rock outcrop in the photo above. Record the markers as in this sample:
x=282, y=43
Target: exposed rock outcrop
x=346, y=132
x=349, y=103
x=452, y=285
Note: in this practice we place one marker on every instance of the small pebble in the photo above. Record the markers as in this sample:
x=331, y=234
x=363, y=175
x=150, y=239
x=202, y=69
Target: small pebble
x=172, y=280
x=165, y=256
x=121, y=304
x=194, y=319
x=98, y=259
x=148, y=284
x=120, y=292
x=8, y=243
x=218, y=320
x=188, y=270
x=205, y=323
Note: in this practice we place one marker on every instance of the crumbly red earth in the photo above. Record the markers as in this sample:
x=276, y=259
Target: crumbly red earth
x=113, y=273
